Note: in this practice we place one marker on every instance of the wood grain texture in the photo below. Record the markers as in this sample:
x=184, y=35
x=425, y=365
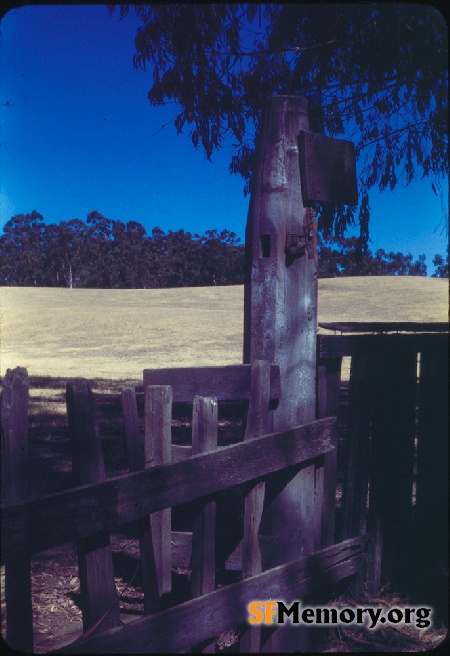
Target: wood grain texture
x=135, y=443
x=204, y=439
x=229, y=383
x=15, y=488
x=39, y=524
x=328, y=391
x=182, y=549
x=99, y=598
x=198, y=620
x=135, y=450
x=257, y=425
x=158, y=451
x=205, y=417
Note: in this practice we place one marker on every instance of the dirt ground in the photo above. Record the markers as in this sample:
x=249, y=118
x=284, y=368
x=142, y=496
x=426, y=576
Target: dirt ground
x=109, y=337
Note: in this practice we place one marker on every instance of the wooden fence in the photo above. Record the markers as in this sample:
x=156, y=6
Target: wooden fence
x=395, y=488
x=261, y=465
x=395, y=456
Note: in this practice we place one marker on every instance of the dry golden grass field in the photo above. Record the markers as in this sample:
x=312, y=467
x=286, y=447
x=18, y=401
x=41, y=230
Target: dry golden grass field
x=115, y=334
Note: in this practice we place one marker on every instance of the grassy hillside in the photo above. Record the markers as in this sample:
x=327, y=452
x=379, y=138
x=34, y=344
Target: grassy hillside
x=115, y=334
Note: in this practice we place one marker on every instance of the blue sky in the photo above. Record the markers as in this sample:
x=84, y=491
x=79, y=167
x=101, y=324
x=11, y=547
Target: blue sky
x=79, y=134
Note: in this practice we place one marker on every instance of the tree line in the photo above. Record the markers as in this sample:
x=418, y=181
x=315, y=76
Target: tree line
x=106, y=253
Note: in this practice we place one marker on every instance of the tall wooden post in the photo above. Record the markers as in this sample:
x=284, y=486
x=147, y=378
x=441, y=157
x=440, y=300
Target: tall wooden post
x=280, y=302
x=100, y=601
x=14, y=489
x=280, y=306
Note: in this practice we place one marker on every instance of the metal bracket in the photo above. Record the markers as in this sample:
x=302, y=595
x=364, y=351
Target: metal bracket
x=299, y=244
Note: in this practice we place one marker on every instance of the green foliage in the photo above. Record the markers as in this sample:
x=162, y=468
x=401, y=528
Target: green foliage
x=376, y=70
x=104, y=253
x=345, y=257
x=22, y=252
x=441, y=266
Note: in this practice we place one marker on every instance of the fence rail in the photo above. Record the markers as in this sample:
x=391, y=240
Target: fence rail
x=39, y=524
x=195, y=621
x=395, y=455
x=394, y=466
x=86, y=515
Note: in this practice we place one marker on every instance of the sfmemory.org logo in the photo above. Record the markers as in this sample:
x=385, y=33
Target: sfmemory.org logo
x=277, y=612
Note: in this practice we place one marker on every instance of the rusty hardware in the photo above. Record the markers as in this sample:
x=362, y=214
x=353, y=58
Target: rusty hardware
x=299, y=244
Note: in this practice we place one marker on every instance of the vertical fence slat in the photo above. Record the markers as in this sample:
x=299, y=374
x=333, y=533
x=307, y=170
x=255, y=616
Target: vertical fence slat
x=15, y=488
x=98, y=591
x=135, y=445
x=431, y=540
x=325, y=476
x=328, y=386
x=392, y=461
x=257, y=425
x=135, y=450
x=158, y=451
x=204, y=438
x=203, y=577
x=355, y=488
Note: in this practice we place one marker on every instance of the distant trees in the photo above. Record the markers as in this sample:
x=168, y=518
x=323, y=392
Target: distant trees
x=441, y=266
x=105, y=253
x=22, y=250
x=344, y=257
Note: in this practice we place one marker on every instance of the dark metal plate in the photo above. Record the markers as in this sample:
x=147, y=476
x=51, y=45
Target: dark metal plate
x=327, y=170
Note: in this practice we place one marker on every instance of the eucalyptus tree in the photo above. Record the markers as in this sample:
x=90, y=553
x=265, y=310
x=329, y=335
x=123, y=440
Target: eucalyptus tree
x=374, y=72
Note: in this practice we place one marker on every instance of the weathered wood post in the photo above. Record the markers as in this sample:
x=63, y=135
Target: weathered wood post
x=205, y=416
x=15, y=488
x=136, y=461
x=293, y=169
x=431, y=539
x=95, y=565
x=158, y=451
x=280, y=307
x=280, y=298
x=257, y=418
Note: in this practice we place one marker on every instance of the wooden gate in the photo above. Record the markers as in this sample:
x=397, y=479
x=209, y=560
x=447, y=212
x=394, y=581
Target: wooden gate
x=88, y=513
x=396, y=456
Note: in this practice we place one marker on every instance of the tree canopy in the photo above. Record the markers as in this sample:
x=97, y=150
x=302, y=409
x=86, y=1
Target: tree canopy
x=105, y=253
x=376, y=72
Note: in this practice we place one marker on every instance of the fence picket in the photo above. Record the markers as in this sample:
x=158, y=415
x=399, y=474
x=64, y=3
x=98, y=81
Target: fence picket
x=354, y=495
x=394, y=373
x=431, y=539
x=176, y=629
x=257, y=425
x=98, y=591
x=39, y=524
x=204, y=439
x=135, y=450
x=158, y=451
x=328, y=385
x=15, y=488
